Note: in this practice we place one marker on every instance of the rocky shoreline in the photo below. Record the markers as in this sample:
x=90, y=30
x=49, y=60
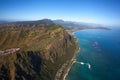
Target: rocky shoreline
x=72, y=61
x=63, y=71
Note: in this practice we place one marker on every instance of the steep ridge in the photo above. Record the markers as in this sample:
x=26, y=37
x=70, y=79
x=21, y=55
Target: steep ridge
x=43, y=48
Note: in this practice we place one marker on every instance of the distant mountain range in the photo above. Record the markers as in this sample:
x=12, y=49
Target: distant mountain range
x=3, y=21
x=74, y=26
x=69, y=25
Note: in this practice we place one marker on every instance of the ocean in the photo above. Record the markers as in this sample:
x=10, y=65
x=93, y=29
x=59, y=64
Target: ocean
x=99, y=56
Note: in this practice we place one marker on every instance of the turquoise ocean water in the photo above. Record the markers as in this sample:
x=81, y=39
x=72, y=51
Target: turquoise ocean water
x=99, y=56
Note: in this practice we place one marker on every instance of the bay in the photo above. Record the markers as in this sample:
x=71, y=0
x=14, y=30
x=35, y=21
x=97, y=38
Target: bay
x=101, y=50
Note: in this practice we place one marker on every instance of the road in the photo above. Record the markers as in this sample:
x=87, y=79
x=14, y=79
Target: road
x=9, y=51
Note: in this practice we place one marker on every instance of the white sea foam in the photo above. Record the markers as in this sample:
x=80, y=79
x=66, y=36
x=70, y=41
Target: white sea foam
x=89, y=66
x=82, y=63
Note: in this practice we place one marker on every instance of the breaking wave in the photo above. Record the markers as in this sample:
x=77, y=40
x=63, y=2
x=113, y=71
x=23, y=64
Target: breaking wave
x=82, y=63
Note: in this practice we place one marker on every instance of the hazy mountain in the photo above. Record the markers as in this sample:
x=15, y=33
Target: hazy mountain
x=79, y=25
x=3, y=21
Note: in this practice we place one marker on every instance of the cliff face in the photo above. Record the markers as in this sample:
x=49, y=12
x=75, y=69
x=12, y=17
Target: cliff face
x=41, y=51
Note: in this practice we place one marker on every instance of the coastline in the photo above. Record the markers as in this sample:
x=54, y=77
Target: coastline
x=72, y=61
x=65, y=68
x=68, y=64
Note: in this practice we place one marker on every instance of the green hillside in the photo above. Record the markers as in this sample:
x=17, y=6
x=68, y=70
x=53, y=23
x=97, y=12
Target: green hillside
x=42, y=52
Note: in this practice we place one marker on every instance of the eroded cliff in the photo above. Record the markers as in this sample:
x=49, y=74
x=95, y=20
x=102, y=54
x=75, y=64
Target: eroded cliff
x=42, y=52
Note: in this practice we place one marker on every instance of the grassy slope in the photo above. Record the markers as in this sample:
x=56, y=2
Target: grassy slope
x=42, y=52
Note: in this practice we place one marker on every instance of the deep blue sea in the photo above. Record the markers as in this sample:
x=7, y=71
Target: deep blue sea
x=101, y=50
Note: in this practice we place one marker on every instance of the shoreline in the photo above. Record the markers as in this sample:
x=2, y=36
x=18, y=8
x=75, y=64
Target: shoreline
x=72, y=61
x=65, y=68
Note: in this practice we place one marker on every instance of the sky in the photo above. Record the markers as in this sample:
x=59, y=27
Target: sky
x=90, y=11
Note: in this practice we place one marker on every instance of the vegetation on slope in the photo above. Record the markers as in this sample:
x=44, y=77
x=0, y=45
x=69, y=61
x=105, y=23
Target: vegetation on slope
x=43, y=49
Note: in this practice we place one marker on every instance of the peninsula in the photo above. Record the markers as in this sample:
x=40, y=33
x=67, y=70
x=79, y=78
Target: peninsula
x=34, y=50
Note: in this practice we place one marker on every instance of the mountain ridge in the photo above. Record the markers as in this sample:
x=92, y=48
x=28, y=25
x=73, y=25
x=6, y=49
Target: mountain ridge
x=43, y=50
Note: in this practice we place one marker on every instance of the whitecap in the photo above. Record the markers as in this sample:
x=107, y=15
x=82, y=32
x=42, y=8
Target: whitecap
x=89, y=66
x=82, y=63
